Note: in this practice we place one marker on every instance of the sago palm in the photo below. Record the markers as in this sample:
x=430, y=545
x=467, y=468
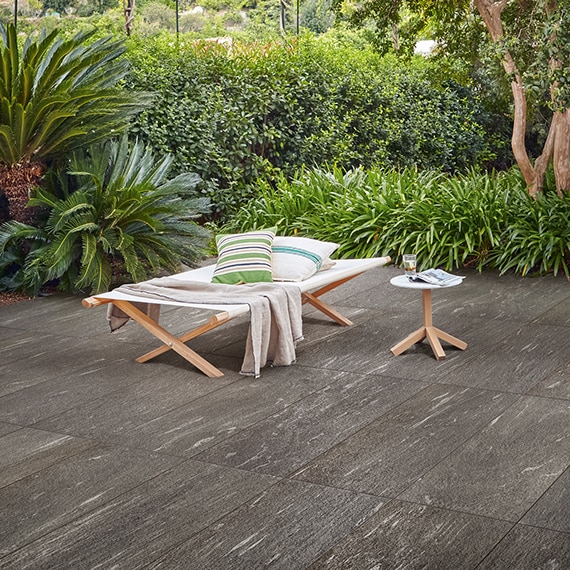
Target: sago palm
x=125, y=218
x=56, y=95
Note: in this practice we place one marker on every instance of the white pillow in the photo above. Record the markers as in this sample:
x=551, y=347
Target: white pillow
x=298, y=258
x=328, y=263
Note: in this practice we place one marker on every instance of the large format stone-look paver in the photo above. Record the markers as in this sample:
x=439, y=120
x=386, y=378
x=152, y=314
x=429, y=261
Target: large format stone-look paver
x=350, y=459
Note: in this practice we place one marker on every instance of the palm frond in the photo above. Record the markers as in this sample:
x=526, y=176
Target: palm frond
x=13, y=231
x=60, y=93
x=95, y=273
x=117, y=218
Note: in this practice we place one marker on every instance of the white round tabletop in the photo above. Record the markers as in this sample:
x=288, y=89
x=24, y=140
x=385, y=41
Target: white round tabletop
x=403, y=281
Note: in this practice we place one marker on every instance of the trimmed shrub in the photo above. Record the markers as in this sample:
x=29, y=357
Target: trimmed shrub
x=238, y=113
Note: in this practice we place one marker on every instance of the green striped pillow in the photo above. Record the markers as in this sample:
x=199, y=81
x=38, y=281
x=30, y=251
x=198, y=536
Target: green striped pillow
x=298, y=258
x=244, y=258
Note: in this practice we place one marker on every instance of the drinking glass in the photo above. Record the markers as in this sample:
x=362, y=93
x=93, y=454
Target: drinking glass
x=410, y=264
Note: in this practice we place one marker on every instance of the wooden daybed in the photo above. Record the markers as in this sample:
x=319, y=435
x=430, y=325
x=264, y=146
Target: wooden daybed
x=311, y=290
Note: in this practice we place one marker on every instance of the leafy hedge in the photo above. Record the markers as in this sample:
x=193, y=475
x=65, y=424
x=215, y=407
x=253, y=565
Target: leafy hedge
x=237, y=114
x=450, y=221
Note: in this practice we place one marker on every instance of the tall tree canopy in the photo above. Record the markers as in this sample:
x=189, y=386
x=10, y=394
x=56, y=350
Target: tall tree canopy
x=532, y=40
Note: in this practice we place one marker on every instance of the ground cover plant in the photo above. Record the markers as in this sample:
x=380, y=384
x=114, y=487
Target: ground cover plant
x=475, y=219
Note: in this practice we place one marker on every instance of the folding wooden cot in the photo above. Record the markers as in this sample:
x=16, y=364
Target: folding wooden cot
x=311, y=290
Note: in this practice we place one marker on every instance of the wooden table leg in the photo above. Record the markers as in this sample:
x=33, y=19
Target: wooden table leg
x=450, y=339
x=426, y=302
x=434, y=343
x=411, y=339
x=428, y=331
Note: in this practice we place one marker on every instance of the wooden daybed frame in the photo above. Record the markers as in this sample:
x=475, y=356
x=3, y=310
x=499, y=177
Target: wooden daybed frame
x=311, y=291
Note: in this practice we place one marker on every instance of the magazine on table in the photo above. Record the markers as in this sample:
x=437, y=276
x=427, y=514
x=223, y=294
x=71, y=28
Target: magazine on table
x=437, y=277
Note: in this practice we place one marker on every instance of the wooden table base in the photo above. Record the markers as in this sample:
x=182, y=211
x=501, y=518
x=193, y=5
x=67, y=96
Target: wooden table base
x=428, y=331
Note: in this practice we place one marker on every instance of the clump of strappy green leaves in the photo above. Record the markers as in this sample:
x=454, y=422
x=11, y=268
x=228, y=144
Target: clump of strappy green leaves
x=476, y=219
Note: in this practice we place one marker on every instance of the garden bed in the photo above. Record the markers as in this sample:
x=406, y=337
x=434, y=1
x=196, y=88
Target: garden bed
x=10, y=298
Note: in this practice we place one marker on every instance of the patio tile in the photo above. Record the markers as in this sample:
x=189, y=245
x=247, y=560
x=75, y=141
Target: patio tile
x=202, y=423
x=28, y=363
x=5, y=333
x=557, y=385
x=365, y=347
x=52, y=396
x=515, y=364
x=369, y=286
x=160, y=390
x=7, y=428
x=528, y=548
x=284, y=528
x=155, y=516
x=523, y=299
x=290, y=438
x=404, y=535
x=57, y=382
x=558, y=315
x=367, y=342
x=26, y=451
x=318, y=327
x=394, y=451
x=58, y=494
x=552, y=510
x=16, y=344
x=503, y=469
x=418, y=361
x=45, y=314
x=478, y=442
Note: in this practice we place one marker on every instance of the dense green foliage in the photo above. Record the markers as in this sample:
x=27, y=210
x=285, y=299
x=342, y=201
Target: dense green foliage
x=208, y=18
x=450, y=221
x=57, y=94
x=535, y=32
x=116, y=215
x=237, y=114
x=529, y=39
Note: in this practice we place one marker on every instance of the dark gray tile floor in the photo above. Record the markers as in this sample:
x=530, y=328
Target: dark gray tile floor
x=350, y=459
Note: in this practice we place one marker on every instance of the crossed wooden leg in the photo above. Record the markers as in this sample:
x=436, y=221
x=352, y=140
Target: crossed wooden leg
x=170, y=341
x=312, y=299
x=433, y=334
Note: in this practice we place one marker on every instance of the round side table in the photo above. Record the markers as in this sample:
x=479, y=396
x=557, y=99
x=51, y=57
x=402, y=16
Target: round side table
x=428, y=331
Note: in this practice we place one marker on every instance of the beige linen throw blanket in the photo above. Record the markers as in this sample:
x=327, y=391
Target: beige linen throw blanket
x=275, y=314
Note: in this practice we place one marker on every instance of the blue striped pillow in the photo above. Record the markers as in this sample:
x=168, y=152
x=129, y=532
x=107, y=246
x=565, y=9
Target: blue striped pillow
x=244, y=258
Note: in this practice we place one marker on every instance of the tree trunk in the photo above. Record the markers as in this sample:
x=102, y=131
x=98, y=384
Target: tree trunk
x=129, y=10
x=396, y=38
x=17, y=182
x=557, y=146
x=561, y=153
x=282, y=16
